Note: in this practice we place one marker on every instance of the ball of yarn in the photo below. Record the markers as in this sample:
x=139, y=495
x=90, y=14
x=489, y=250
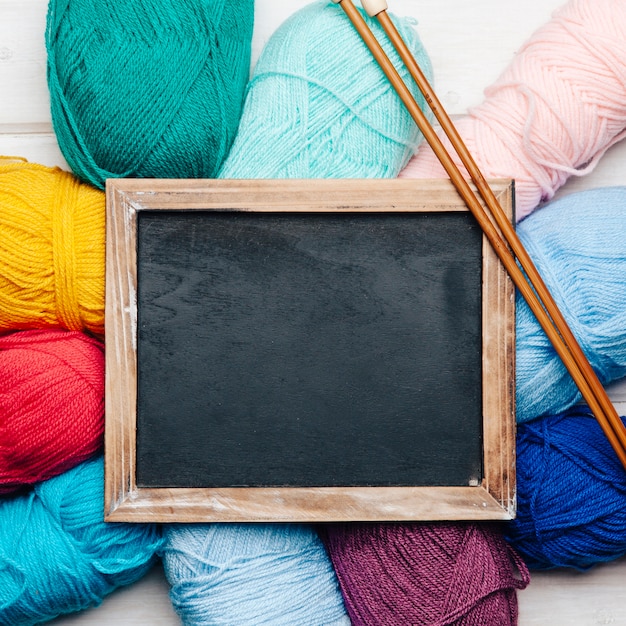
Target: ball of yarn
x=58, y=556
x=311, y=113
x=52, y=256
x=440, y=574
x=577, y=243
x=251, y=575
x=554, y=111
x=571, y=493
x=147, y=89
x=51, y=404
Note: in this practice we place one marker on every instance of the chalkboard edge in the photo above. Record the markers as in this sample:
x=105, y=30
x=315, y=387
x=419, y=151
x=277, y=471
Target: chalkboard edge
x=494, y=499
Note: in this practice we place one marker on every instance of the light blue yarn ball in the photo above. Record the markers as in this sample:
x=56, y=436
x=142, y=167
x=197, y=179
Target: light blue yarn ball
x=578, y=244
x=318, y=105
x=57, y=555
x=250, y=575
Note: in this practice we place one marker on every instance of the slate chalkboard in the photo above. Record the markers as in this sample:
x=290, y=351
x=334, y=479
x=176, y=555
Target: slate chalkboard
x=308, y=350
x=316, y=346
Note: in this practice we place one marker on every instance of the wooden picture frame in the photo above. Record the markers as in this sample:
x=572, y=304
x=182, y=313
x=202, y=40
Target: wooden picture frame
x=139, y=209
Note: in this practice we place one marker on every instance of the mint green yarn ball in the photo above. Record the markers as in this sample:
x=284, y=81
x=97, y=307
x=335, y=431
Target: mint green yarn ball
x=318, y=105
x=147, y=89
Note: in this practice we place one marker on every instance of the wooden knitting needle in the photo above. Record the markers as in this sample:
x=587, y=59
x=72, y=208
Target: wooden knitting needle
x=532, y=289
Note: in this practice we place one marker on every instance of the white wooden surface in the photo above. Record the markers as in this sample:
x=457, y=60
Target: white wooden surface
x=470, y=43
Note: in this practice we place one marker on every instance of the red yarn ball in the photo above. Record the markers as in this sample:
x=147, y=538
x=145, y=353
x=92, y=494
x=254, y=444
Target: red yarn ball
x=51, y=404
x=440, y=574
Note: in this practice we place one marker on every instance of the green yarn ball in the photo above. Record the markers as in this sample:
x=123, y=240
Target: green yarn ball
x=147, y=89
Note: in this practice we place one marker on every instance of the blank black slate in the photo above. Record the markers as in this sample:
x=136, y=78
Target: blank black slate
x=308, y=349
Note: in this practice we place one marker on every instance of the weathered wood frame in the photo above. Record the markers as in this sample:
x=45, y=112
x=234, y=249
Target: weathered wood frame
x=493, y=499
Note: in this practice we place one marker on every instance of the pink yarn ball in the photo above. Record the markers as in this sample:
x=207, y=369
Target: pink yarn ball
x=554, y=111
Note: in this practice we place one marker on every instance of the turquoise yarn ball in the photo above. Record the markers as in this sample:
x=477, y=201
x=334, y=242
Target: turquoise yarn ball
x=318, y=105
x=147, y=89
x=578, y=245
x=253, y=574
x=57, y=555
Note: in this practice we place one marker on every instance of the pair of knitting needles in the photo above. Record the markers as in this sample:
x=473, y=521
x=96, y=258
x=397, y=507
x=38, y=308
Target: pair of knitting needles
x=504, y=241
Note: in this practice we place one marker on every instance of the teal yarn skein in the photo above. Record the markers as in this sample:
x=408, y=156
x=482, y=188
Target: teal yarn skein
x=58, y=556
x=311, y=113
x=307, y=114
x=577, y=243
x=147, y=89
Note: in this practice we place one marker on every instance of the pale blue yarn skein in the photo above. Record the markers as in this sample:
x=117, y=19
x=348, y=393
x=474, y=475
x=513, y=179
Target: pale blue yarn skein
x=578, y=244
x=58, y=556
x=308, y=113
x=223, y=573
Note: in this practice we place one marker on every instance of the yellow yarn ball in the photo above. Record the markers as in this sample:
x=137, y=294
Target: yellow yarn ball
x=52, y=249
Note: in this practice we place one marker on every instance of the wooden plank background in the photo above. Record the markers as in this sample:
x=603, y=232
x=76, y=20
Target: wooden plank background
x=468, y=53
